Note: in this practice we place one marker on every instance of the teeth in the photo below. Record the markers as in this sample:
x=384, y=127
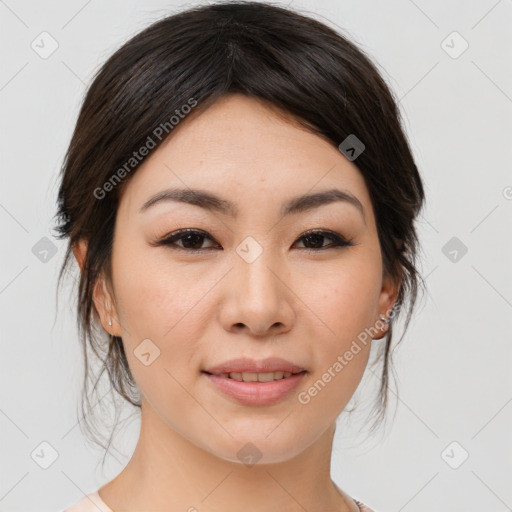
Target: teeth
x=265, y=377
x=256, y=377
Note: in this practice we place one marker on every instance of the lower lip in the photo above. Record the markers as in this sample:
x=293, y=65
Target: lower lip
x=256, y=393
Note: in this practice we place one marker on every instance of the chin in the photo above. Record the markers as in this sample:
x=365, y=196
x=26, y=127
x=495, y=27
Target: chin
x=256, y=446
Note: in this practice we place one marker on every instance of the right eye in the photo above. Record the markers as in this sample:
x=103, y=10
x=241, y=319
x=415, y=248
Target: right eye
x=192, y=240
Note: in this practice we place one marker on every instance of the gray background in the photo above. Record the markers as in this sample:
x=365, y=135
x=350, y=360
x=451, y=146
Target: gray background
x=454, y=363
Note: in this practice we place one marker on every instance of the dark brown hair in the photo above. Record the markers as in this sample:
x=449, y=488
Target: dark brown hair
x=290, y=60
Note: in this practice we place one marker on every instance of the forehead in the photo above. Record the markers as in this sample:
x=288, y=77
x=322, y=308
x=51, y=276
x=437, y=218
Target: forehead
x=244, y=149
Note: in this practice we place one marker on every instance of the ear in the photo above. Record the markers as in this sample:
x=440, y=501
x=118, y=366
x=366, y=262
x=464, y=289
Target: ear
x=387, y=300
x=102, y=297
x=80, y=250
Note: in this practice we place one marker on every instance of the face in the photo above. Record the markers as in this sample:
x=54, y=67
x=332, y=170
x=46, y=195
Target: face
x=246, y=281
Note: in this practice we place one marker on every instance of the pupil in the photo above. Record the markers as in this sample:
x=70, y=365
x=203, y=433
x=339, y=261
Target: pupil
x=187, y=238
x=317, y=237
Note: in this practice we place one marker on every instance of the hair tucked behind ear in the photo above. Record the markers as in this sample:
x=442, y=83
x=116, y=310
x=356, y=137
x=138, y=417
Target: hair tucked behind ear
x=287, y=59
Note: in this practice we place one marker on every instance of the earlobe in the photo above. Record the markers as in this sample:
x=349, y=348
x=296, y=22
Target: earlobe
x=104, y=306
x=101, y=296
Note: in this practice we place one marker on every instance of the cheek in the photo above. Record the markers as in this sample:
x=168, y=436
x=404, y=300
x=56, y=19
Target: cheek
x=346, y=298
x=154, y=296
x=166, y=303
x=157, y=303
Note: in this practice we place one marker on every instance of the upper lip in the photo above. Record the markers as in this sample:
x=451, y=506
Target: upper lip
x=240, y=365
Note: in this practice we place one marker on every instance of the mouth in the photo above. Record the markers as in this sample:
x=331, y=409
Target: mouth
x=255, y=383
x=252, y=370
x=256, y=376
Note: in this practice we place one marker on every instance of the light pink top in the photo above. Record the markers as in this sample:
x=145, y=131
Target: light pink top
x=93, y=503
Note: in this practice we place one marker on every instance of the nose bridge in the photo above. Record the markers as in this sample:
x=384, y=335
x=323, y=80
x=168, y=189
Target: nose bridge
x=257, y=296
x=253, y=271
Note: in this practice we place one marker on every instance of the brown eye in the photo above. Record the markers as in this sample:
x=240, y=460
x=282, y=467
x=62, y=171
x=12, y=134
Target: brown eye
x=316, y=239
x=191, y=239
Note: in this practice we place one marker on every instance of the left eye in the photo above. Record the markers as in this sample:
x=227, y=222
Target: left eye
x=314, y=238
x=192, y=240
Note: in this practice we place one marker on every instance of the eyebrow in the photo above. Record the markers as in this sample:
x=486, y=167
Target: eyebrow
x=293, y=206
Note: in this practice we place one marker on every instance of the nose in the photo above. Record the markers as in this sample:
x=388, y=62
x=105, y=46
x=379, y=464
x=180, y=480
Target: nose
x=256, y=298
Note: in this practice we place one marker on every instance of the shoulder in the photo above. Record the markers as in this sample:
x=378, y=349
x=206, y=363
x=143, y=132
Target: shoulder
x=89, y=503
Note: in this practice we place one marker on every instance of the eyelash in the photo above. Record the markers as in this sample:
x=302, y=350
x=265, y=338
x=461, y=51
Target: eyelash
x=339, y=240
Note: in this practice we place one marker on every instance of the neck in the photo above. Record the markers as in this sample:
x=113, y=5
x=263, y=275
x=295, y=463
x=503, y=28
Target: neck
x=167, y=473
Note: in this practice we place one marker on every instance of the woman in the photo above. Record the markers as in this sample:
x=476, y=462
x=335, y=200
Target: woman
x=240, y=198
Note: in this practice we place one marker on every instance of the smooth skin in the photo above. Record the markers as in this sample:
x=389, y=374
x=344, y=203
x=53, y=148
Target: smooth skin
x=201, y=303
